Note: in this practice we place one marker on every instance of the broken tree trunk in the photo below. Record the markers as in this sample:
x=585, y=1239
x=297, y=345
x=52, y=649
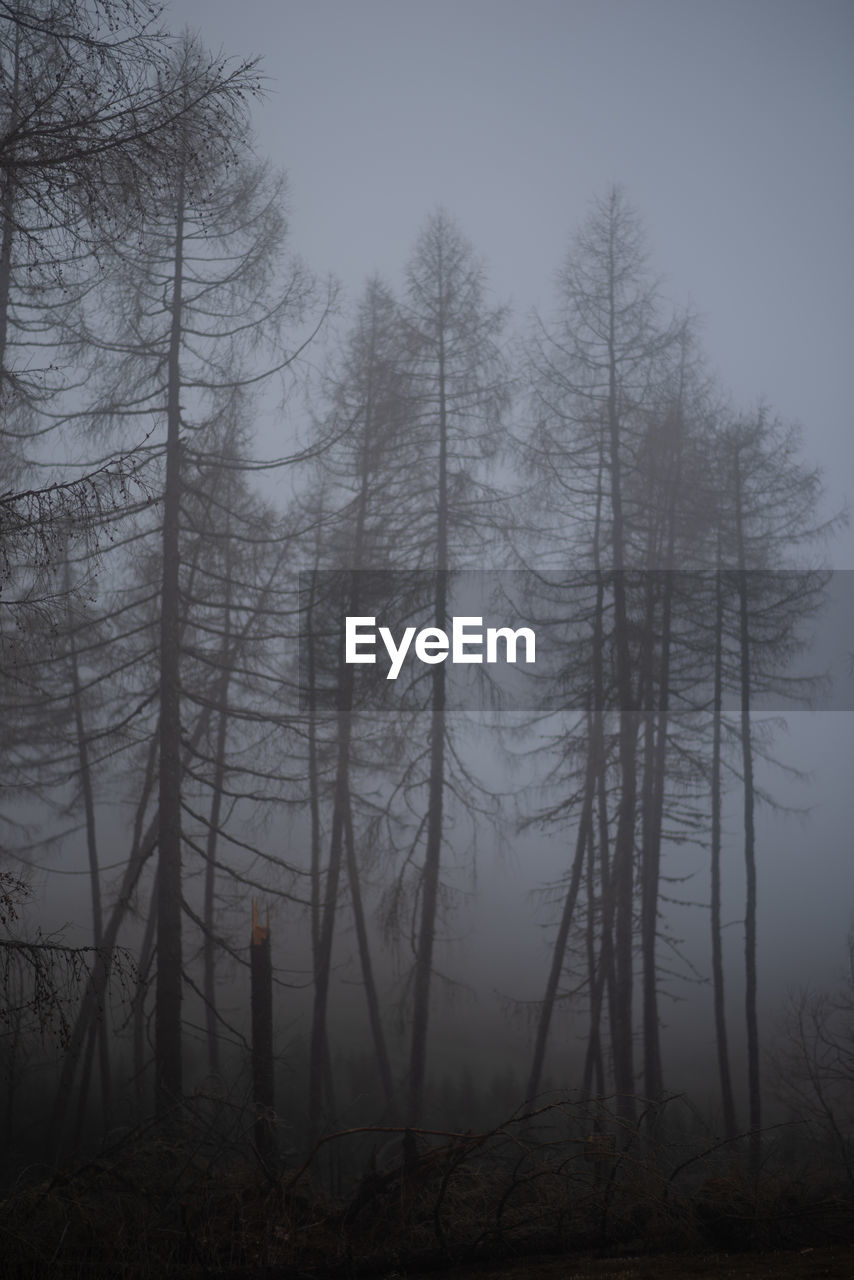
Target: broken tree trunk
x=262, y=1034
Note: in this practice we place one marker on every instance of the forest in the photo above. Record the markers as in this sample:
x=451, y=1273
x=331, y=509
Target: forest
x=244, y=1028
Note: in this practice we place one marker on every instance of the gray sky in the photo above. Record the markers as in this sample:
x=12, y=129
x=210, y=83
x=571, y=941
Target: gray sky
x=730, y=124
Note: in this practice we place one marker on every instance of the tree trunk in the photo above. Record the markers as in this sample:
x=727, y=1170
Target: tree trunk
x=594, y=1043
x=435, y=800
x=583, y=840
x=85, y=774
x=753, y=1083
x=146, y=957
x=624, y=845
x=727, y=1099
x=168, y=1057
x=313, y=772
x=217, y=783
x=651, y=860
x=319, y=1049
x=8, y=206
x=604, y=976
x=601, y=974
x=263, y=1088
x=371, y=996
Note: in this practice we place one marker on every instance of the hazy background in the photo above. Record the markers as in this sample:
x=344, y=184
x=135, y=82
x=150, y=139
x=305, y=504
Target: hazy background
x=730, y=124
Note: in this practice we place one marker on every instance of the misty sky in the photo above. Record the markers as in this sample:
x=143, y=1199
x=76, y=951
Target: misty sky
x=730, y=124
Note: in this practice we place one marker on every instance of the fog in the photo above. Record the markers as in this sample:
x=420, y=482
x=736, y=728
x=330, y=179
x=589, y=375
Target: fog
x=729, y=127
x=534, y=320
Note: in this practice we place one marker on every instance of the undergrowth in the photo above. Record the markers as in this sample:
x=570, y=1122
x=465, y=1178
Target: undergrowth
x=560, y=1178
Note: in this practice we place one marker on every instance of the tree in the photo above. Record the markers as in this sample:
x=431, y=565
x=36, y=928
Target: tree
x=363, y=480
x=92, y=114
x=88, y=123
x=234, y=595
x=199, y=292
x=596, y=377
x=39, y=981
x=460, y=388
x=813, y=1062
x=769, y=511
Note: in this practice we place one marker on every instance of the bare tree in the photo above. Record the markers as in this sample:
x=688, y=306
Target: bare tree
x=199, y=289
x=813, y=1063
x=364, y=517
x=770, y=513
x=88, y=122
x=596, y=375
x=460, y=389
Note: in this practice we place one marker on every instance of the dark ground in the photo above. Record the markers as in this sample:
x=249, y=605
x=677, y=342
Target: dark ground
x=806, y=1264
